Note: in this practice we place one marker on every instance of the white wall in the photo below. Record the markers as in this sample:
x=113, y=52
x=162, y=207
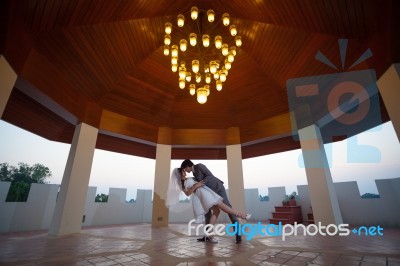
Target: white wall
x=36, y=213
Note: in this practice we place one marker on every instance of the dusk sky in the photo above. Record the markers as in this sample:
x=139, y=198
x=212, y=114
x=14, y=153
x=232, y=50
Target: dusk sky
x=377, y=152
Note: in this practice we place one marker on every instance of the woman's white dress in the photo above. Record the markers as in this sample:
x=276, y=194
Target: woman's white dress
x=202, y=199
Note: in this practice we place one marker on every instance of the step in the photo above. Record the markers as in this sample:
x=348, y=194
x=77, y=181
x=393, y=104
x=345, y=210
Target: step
x=311, y=222
x=276, y=221
x=287, y=208
x=281, y=215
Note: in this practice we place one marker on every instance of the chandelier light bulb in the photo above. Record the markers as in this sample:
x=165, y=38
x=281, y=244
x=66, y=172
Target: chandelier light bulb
x=166, y=50
x=182, y=73
x=181, y=20
x=208, y=78
x=201, y=95
x=222, y=76
x=228, y=64
x=210, y=15
x=194, y=12
x=238, y=41
x=182, y=83
x=218, y=85
x=174, y=67
x=174, y=60
x=192, y=89
x=206, y=40
x=168, y=28
x=167, y=39
x=213, y=67
x=195, y=66
x=216, y=75
x=193, y=39
x=183, y=45
x=225, y=19
x=225, y=50
x=233, y=50
x=231, y=57
x=233, y=30
x=218, y=42
x=188, y=76
x=174, y=50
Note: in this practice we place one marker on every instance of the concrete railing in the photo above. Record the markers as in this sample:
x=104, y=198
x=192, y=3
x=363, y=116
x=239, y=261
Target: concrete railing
x=37, y=212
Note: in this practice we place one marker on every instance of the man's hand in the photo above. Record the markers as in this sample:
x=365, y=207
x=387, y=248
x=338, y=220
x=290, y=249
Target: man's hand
x=199, y=184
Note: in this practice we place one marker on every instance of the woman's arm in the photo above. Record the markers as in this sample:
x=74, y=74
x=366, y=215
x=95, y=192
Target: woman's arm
x=189, y=191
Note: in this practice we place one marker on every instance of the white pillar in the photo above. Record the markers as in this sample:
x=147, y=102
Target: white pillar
x=70, y=206
x=7, y=81
x=323, y=197
x=235, y=169
x=235, y=177
x=389, y=87
x=162, y=174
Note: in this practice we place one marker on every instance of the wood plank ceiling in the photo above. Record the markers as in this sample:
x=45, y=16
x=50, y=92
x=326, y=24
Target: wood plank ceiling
x=103, y=62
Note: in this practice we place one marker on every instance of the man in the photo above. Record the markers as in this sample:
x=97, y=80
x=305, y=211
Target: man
x=201, y=173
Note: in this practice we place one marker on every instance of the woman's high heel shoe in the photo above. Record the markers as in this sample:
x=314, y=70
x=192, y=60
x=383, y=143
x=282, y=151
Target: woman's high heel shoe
x=242, y=220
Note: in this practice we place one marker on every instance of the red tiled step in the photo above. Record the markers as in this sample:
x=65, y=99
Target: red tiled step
x=281, y=215
x=276, y=221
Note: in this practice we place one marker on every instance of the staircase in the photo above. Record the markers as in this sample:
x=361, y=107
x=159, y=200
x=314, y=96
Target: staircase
x=286, y=215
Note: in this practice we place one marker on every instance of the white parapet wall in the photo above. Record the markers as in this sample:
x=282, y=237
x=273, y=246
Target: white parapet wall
x=37, y=212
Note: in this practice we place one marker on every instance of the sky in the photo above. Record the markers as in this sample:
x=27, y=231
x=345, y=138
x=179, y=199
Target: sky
x=371, y=155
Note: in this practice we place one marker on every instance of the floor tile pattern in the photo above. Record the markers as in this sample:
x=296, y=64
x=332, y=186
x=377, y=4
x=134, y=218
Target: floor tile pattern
x=141, y=244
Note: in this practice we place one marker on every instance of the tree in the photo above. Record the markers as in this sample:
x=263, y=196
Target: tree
x=101, y=198
x=264, y=198
x=370, y=196
x=21, y=178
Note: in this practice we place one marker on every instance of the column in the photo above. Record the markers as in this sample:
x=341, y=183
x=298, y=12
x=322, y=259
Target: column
x=71, y=200
x=7, y=81
x=160, y=214
x=389, y=87
x=323, y=197
x=235, y=169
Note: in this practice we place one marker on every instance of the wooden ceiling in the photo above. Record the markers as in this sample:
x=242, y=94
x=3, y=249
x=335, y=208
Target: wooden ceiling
x=101, y=62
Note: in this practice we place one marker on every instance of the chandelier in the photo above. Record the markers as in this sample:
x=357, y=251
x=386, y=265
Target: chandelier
x=202, y=50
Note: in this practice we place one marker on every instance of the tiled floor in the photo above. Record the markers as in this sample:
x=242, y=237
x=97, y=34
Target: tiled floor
x=141, y=244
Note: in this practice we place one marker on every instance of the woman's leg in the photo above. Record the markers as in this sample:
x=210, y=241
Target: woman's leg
x=214, y=216
x=215, y=212
x=229, y=210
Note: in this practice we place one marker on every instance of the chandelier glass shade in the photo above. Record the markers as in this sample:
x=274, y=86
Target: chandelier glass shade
x=202, y=48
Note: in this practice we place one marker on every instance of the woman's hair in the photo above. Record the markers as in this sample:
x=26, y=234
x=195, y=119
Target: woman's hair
x=182, y=183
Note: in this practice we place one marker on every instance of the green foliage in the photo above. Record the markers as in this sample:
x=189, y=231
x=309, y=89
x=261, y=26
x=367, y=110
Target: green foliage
x=290, y=197
x=370, y=196
x=264, y=198
x=101, y=198
x=21, y=178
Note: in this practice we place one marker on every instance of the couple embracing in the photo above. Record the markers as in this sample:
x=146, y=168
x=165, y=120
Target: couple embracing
x=208, y=195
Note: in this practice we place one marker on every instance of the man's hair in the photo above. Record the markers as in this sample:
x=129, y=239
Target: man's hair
x=186, y=163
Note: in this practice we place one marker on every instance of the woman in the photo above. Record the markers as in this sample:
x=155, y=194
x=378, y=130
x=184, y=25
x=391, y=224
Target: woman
x=203, y=198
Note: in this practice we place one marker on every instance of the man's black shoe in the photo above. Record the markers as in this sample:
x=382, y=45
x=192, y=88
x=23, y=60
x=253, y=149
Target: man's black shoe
x=203, y=239
x=238, y=239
